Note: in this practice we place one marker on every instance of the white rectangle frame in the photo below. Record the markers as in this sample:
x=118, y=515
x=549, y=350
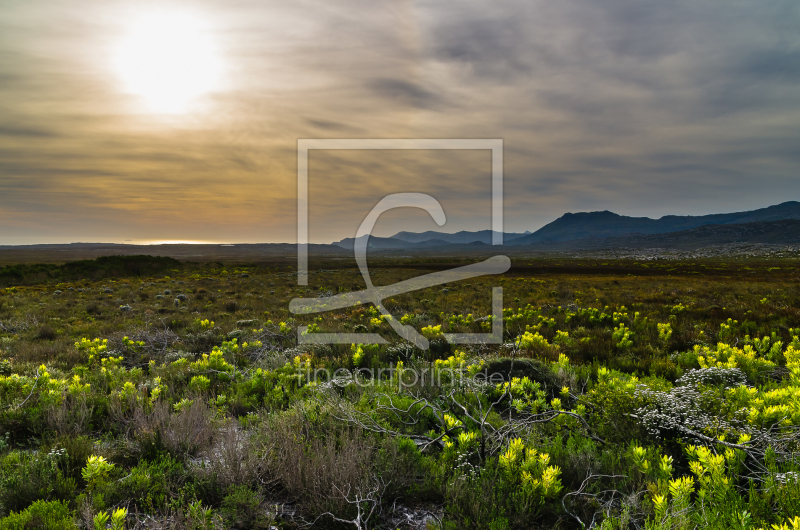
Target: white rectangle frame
x=494, y=145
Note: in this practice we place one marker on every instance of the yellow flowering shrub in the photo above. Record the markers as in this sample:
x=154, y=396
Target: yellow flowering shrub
x=96, y=471
x=432, y=332
x=789, y=524
x=664, y=331
x=525, y=394
x=622, y=337
x=767, y=407
x=725, y=356
x=529, y=341
x=531, y=469
x=205, y=324
x=92, y=348
x=200, y=383
x=214, y=361
x=454, y=362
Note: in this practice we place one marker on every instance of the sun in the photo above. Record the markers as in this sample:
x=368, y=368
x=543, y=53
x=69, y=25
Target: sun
x=168, y=59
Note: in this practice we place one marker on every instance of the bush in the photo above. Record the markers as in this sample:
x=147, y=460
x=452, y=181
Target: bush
x=71, y=416
x=319, y=461
x=507, y=493
x=243, y=508
x=725, y=377
x=150, y=485
x=52, y=515
x=77, y=450
x=232, y=459
x=180, y=434
x=409, y=474
x=46, y=333
x=26, y=477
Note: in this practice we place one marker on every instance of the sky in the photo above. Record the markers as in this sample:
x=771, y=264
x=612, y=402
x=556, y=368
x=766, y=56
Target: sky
x=179, y=120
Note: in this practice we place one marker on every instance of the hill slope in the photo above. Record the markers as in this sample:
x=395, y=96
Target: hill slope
x=572, y=226
x=484, y=236
x=785, y=232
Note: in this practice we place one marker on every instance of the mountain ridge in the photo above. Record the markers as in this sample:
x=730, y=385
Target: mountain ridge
x=782, y=232
x=572, y=226
x=585, y=225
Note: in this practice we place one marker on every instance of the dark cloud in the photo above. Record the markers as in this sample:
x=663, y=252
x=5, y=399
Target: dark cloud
x=332, y=126
x=772, y=65
x=490, y=46
x=405, y=93
x=26, y=132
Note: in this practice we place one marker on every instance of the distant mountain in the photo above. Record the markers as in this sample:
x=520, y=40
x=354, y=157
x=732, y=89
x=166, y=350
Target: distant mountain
x=484, y=236
x=574, y=226
x=784, y=232
x=588, y=228
x=390, y=243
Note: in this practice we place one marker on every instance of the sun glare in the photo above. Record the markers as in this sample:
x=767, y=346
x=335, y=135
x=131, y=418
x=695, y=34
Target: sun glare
x=168, y=59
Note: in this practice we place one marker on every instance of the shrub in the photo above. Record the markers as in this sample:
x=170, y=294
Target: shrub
x=183, y=433
x=77, y=450
x=150, y=484
x=319, y=461
x=614, y=397
x=536, y=344
x=508, y=493
x=52, y=515
x=243, y=508
x=71, y=416
x=96, y=471
x=409, y=474
x=26, y=477
x=622, y=337
x=232, y=459
x=46, y=333
x=725, y=377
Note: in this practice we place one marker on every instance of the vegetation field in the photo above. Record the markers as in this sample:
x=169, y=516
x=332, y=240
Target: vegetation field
x=151, y=393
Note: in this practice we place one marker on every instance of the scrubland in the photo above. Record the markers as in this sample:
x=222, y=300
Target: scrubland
x=624, y=395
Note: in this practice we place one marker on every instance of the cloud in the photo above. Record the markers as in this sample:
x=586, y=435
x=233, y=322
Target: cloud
x=405, y=93
x=332, y=126
x=636, y=106
x=26, y=132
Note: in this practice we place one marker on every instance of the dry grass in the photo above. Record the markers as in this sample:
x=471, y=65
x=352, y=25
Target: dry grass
x=318, y=465
x=182, y=434
x=231, y=458
x=72, y=417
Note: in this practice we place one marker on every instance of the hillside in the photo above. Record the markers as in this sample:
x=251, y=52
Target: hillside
x=767, y=232
x=584, y=225
x=483, y=236
x=574, y=226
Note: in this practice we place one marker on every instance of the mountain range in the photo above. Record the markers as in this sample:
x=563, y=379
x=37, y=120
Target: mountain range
x=585, y=231
x=604, y=229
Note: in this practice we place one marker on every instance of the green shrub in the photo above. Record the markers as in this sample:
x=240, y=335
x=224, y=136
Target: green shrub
x=508, y=493
x=51, y=515
x=96, y=472
x=243, y=508
x=150, y=485
x=26, y=477
x=77, y=450
x=409, y=474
